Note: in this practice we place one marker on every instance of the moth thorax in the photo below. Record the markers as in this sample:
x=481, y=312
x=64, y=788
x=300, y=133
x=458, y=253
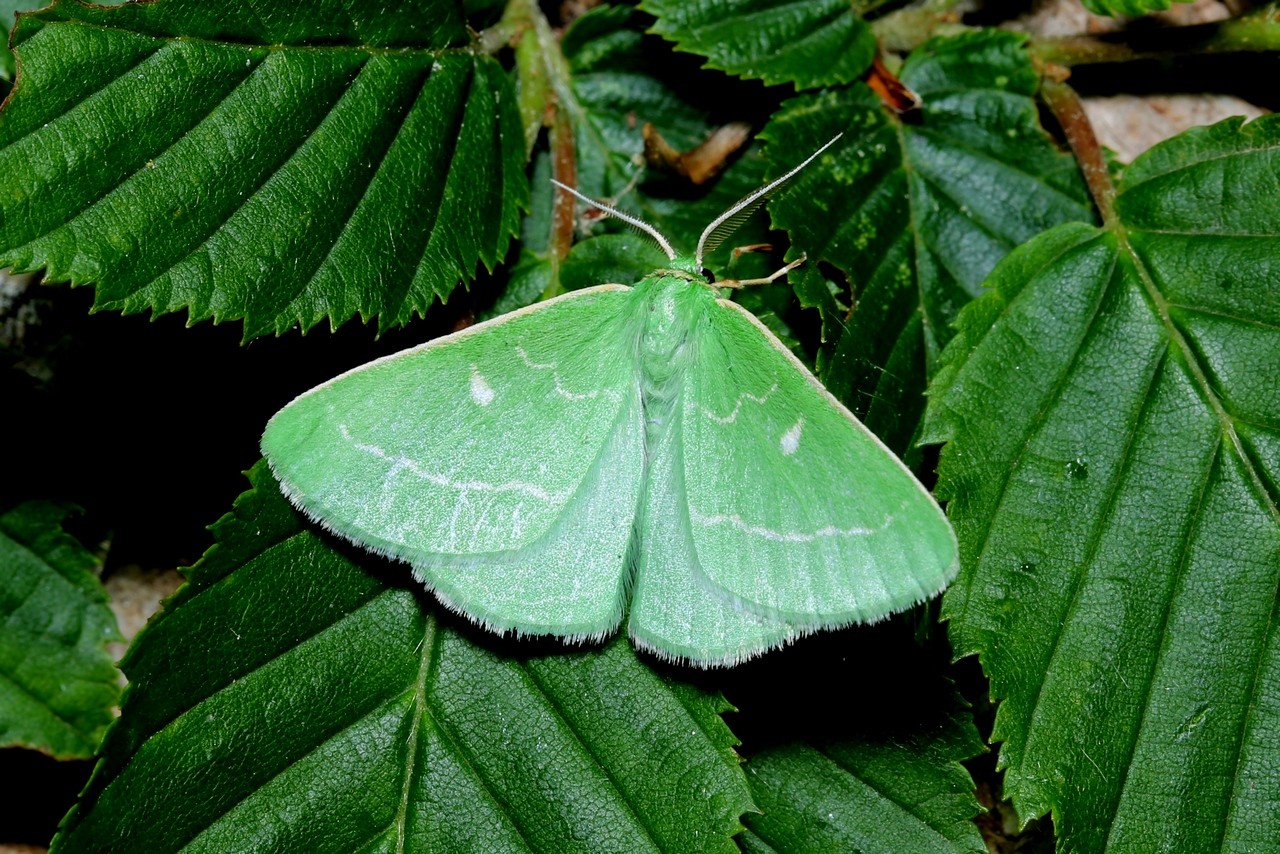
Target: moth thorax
x=666, y=346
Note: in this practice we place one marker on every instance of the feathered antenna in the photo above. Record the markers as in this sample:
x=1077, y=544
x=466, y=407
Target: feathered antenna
x=727, y=223
x=630, y=220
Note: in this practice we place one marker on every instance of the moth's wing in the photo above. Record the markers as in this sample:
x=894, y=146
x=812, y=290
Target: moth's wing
x=503, y=462
x=673, y=613
x=798, y=512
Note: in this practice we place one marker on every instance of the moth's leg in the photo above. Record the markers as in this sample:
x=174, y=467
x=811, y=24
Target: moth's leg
x=742, y=283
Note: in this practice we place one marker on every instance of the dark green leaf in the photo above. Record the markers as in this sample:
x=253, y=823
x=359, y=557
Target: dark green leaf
x=8, y=11
x=915, y=214
x=621, y=258
x=778, y=41
x=57, y=683
x=267, y=162
x=289, y=699
x=1113, y=464
x=529, y=278
x=1128, y=8
x=614, y=95
x=904, y=791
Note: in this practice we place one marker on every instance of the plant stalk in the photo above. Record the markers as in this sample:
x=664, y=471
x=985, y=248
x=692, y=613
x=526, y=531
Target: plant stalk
x=1257, y=31
x=1067, y=109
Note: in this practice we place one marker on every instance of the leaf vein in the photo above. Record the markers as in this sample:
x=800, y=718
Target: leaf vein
x=218, y=223
x=955, y=144
x=1199, y=373
x=911, y=810
x=604, y=765
x=1247, y=724
x=426, y=666
x=1179, y=572
x=88, y=95
x=463, y=755
x=293, y=301
x=1226, y=315
x=434, y=210
x=1092, y=545
x=43, y=703
x=1186, y=232
x=1050, y=398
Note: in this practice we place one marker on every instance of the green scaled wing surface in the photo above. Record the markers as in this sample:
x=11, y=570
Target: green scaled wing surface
x=796, y=508
x=503, y=462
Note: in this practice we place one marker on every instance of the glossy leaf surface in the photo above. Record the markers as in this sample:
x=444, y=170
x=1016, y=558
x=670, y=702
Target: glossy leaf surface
x=57, y=682
x=917, y=210
x=1114, y=454
x=269, y=163
x=866, y=777
x=778, y=41
x=291, y=699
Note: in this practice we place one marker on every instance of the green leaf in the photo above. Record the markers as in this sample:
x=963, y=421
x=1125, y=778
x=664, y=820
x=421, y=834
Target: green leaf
x=621, y=258
x=290, y=699
x=8, y=11
x=1128, y=8
x=899, y=790
x=916, y=213
x=1114, y=454
x=614, y=94
x=778, y=41
x=57, y=682
x=266, y=162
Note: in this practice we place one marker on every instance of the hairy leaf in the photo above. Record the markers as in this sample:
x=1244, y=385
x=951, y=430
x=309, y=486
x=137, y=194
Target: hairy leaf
x=916, y=213
x=292, y=699
x=57, y=683
x=778, y=41
x=1113, y=465
x=268, y=162
x=901, y=790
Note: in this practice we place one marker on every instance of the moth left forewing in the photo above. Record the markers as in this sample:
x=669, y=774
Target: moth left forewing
x=502, y=462
x=797, y=511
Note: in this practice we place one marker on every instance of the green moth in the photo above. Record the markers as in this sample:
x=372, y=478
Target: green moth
x=649, y=452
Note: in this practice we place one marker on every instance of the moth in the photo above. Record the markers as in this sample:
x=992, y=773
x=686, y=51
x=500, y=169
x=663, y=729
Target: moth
x=648, y=453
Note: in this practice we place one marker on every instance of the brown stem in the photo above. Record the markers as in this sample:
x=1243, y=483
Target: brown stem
x=564, y=168
x=1067, y=109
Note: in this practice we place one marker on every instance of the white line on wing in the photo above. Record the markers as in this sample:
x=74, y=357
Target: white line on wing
x=783, y=536
x=401, y=462
x=737, y=406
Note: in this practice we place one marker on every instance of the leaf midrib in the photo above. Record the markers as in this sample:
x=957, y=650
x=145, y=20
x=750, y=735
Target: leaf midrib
x=908, y=809
x=1226, y=421
x=1051, y=395
x=426, y=666
x=605, y=766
